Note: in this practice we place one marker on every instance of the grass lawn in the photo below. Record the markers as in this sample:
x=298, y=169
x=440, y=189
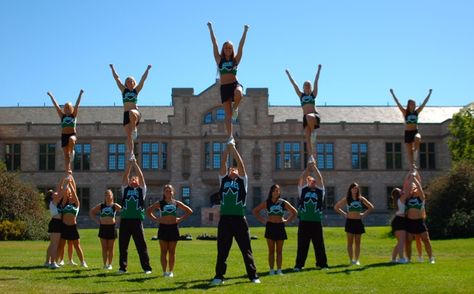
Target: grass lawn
x=21, y=267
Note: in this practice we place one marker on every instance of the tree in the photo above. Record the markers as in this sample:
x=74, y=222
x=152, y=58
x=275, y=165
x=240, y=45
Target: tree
x=461, y=127
x=22, y=211
x=450, y=206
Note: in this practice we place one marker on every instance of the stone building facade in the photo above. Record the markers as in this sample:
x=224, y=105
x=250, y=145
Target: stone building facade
x=181, y=144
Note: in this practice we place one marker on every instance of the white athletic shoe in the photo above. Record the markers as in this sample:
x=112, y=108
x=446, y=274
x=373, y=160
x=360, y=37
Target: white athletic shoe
x=235, y=114
x=109, y=267
x=121, y=272
x=296, y=269
x=311, y=159
x=271, y=272
x=217, y=282
x=403, y=260
x=356, y=262
x=84, y=264
x=432, y=260
x=279, y=272
x=147, y=272
x=256, y=281
x=61, y=263
x=420, y=258
x=54, y=265
x=170, y=275
x=72, y=262
x=132, y=157
x=231, y=141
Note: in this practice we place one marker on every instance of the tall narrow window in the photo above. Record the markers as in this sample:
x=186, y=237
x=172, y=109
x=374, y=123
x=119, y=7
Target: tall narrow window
x=359, y=155
x=325, y=156
x=154, y=155
x=329, y=197
x=116, y=157
x=427, y=156
x=84, y=197
x=393, y=155
x=13, y=156
x=213, y=154
x=288, y=155
x=186, y=194
x=47, y=157
x=83, y=157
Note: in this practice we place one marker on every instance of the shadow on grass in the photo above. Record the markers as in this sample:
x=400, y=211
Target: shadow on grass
x=28, y=267
x=355, y=268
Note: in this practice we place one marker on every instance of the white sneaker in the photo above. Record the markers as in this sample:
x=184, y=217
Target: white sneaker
x=106, y=266
x=235, y=114
x=296, y=269
x=279, y=272
x=54, y=265
x=231, y=141
x=403, y=261
x=420, y=258
x=432, y=260
x=132, y=157
x=271, y=272
x=84, y=264
x=134, y=134
x=311, y=159
x=147, y=272
x=217, y=282
x=109, y=267
x=121, y=272
x=170, y=275
x=356, y=262
x=256, y=281
x=61, y=263
x=72, y=262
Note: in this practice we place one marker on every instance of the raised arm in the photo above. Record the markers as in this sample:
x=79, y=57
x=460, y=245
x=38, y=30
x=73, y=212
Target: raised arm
x=316, y=80
x=317, y=175
x=424, y=101
x=139, y=172
x=225, y=156
x=238, y=158
x=295, y=86
x=139, y=87
x=303, y=176
x=397, y=102
x=78, y=101
x=215, y=48
x=126, y=173
x=74, y=197
x=187, y=211
x=117, y=78
x=56, y=105
x=420, y=193
x=238, y=56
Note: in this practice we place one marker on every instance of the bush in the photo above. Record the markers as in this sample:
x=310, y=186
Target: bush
x=450, y=207
x=12, y=230
x=22, y=205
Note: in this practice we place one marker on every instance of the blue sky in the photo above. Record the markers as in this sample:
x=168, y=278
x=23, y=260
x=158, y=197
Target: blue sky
x=365, y=47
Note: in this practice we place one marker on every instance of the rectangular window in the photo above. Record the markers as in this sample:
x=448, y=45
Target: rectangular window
x=47, y=157
x=325, y=156
x=154, y=155
x=82, y=158
x=116, y=156
x=389, y=197
x=288, y=155
x=329, y=196
x=186, y=195
x=213, y=154
x=427, y=156
x=359, y=155
x=393, y=155
x=84, y=197
x=220, y=114
x=13, y=156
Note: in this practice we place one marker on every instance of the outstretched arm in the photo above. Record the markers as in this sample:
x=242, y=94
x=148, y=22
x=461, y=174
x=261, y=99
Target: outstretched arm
x=117, y=78
x=126, y=173
x=238, y=57
x=215, y=48
x=420, y=193
x=225, y=156
x=303, y=176
x=424, y=102
x=295, y=86
x=316, y=80
x=397, y=102
x=78, y=101
x=142, y=80
x=58, y=109
x=317, y=175
x=72, y=186
x=238, y=158
x=139, y=172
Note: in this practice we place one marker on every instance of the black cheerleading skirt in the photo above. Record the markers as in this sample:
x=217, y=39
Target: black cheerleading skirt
x=227, y=91
x=275, y=231
x=416, y=226
x=108, y=232
x=168, y=232
x=69, y=232
x=55, y=225
x=354, y=226
x=398, y=224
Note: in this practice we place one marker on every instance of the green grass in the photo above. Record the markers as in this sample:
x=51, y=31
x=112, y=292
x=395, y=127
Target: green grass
x=21, y=268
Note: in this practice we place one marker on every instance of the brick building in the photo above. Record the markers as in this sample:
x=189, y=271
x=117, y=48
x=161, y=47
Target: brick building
x=182, y=144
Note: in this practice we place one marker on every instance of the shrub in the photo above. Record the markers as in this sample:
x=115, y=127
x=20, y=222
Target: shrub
x=450, y=207
x=12, y=230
